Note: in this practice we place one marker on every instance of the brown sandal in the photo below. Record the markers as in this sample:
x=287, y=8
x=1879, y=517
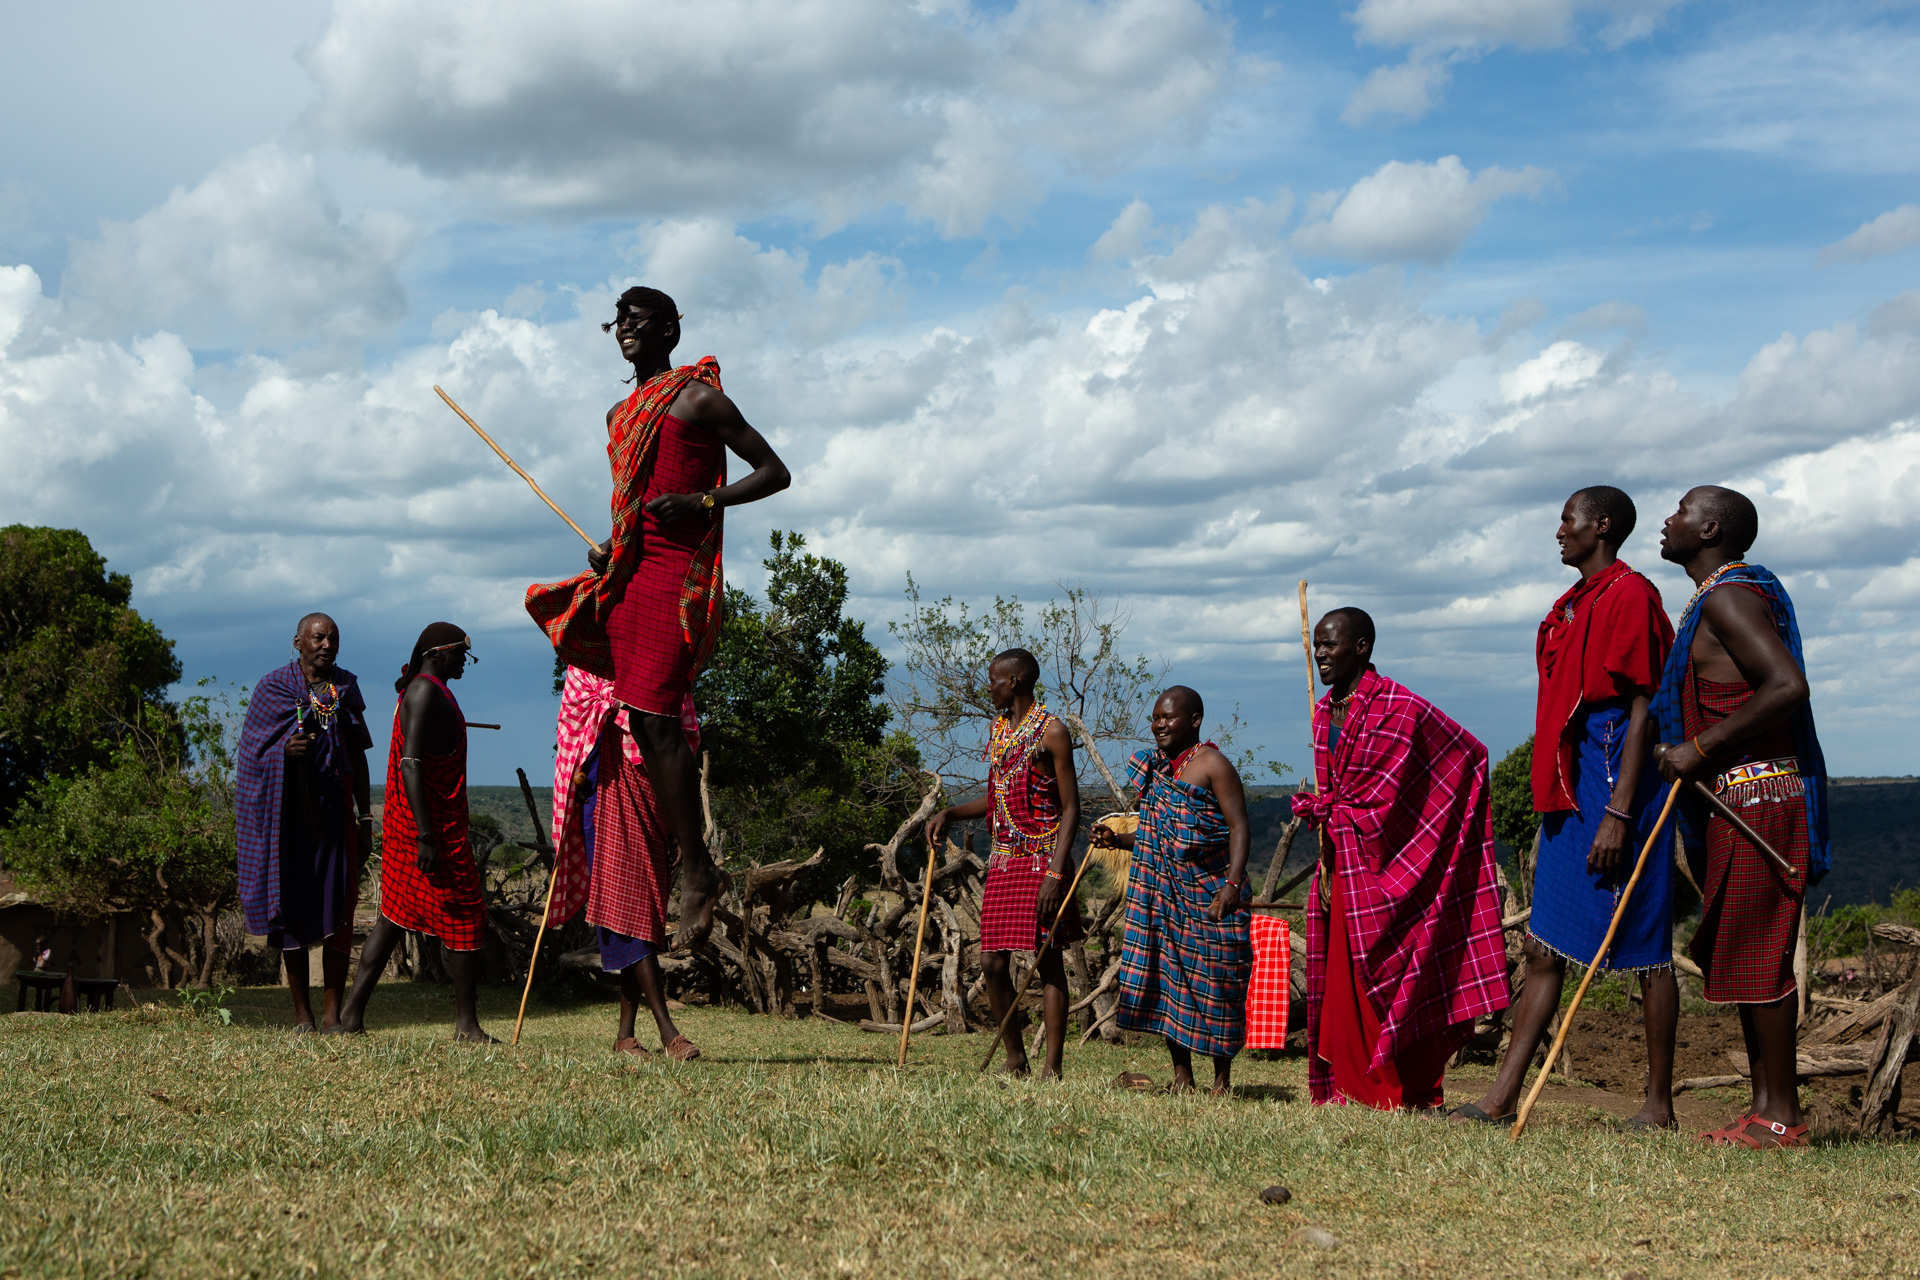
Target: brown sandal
x=1784, y=1135
x=683, y=1049
x=630, y=1045
x=1133, y=1081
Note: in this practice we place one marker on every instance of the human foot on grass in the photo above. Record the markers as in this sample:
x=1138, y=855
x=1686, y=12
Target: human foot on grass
x=475, y=1034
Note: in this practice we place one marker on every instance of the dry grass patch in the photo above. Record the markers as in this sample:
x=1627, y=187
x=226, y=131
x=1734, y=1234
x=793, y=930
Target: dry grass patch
x=148, y=1144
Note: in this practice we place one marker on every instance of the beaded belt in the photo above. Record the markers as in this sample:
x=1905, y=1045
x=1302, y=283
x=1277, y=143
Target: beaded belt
x=1760, y=771
x=1001, y=857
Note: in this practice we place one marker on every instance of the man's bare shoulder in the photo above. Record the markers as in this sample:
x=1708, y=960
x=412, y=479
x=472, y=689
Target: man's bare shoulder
x=1210, y=768
x=1734, y=605
x=617, y=406
x=700, y=402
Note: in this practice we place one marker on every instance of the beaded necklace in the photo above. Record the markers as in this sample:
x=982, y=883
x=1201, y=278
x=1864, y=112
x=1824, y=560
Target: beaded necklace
x=1180, y=761
x=1708, y=583
x=1009, y=746
x=324, y=710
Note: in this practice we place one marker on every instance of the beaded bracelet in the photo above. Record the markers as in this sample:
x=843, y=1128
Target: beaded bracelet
x=1624, y=817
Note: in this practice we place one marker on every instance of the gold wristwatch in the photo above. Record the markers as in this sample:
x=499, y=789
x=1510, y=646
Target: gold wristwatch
x=706, y=499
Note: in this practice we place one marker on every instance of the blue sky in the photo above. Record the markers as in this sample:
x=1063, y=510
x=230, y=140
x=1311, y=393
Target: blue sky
x=1180, y=301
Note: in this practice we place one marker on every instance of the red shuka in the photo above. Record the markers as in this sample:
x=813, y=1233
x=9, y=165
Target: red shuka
x=446, y=901
x=1607, y=638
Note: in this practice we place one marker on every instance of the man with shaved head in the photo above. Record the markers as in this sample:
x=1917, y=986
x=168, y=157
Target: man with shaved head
x=1186, y=955
x=1033, y=803
x=646, y=614
x=301, y=779
x=1404, y=947
x=1599, y=653
x=1732, y=712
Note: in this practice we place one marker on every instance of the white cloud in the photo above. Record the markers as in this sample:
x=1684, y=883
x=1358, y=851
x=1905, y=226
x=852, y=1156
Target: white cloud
x=256, y=251
x=1463, y=24
x=1892, y=231
x=1438, y=32
x=1828, y=95
x=1415, y=211
x=819, y=106
x=1407, y=91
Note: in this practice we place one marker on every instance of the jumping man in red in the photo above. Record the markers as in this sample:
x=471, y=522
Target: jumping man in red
x=647, y=613
x=428, y=880
x=1033, y=797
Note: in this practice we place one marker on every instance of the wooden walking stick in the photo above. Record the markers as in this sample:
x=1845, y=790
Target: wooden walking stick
x=538, y=491
x=534, y=959
x=540, y=844
x=913, y=975
x=1740, y=824
x=1606, y=945
x=1306, y=643
x=1000, y=1032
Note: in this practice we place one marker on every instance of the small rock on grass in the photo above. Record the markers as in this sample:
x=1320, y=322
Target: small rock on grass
x=1318, y=1237
x=1275, y=1195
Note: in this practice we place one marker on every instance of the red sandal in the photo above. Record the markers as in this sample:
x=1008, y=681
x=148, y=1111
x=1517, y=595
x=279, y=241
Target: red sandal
x=1737, y=1135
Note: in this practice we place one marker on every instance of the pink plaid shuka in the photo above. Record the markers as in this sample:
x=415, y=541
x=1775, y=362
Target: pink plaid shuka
x=586, y=705
x=1404, y=803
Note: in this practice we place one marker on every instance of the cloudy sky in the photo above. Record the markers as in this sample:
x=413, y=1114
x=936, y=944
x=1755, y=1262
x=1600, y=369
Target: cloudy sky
x=1181, y=301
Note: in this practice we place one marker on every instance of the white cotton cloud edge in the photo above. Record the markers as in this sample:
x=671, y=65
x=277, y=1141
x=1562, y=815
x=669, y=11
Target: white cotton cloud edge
x=1892, y=231
x=1232, y=428
x=1439, y=32
x=956, y=112
x=1415, y=211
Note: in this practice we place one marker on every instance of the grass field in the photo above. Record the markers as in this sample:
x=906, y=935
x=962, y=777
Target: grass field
x=152, y=1143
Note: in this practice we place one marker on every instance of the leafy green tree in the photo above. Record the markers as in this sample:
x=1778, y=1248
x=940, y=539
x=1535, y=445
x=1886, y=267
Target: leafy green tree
x=1514, y=821
x=793, y=724
x=150, y=830
x=77, y=663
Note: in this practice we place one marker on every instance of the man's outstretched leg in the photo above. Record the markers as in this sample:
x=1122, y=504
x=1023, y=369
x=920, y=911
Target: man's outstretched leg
x=676, y=781
x=464, y=968
x=381, y=940
x=641, y=982
x=998, y=966
x=299, y=975
x=1539, y=1001
x=1660, y=1002
x=1182, y=1068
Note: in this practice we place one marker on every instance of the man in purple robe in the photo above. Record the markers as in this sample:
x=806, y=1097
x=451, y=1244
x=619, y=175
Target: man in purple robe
x=302, y=778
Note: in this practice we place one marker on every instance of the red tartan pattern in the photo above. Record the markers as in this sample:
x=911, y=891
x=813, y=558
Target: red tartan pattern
x=633, y=851
x=446, y=901
x=586, y=706
x=575, y=613
x=1750, y=921
x=1404, y=803
x=1009, y=919
x=1267, y=990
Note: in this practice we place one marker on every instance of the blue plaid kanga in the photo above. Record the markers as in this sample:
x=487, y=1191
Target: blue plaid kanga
x=1182, y=975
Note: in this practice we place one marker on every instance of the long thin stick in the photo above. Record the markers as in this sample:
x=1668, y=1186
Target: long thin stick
x=1306, y=643
x=540, y=845
x=1740, y=824
x=913, y=976
x=534, y=959
x=1606, y=945
x=1000, y=1032
x=542, y=493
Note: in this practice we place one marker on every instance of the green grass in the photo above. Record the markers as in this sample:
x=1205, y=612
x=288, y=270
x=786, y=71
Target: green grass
x=150, y=1144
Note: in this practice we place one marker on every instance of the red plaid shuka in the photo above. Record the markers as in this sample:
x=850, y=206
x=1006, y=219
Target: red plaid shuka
x=1267, y=990
x=575, y=613
x=446, y=901
x=633, y=848
x=1404, y=804
x=1750, y=919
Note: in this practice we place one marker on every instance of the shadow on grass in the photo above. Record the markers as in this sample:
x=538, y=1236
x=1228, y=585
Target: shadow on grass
x=1266, y=1093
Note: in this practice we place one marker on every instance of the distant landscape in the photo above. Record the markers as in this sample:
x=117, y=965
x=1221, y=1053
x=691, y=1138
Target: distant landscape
x=1876, y=840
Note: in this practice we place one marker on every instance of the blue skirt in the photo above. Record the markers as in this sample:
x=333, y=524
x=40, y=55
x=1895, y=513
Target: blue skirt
x=617, y=950
x=1572, y=906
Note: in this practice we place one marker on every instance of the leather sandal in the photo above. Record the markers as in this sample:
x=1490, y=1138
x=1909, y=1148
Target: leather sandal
x=1472, y=1111
x=683, y=1049
x=627, y=1044
x=1783, y=1135
x=1723, y=1136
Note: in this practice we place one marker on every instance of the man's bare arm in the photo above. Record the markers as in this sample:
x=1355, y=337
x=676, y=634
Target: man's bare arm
x=1741, y=623
x=968, y=812
x=1216, y=773
x=1053, y=892
x=700, y=405
x=416, y=730
x=1612, y=838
